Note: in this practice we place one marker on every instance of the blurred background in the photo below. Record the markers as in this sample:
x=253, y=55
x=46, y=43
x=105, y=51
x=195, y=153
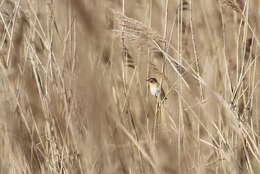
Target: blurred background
x=75, y=96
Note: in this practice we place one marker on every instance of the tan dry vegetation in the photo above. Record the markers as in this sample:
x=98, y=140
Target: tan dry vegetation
x=74, y=95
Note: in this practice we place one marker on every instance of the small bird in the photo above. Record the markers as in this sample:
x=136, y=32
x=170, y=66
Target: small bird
x=155, y=88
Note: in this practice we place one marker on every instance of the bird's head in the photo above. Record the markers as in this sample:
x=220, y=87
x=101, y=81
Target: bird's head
x=152, y=80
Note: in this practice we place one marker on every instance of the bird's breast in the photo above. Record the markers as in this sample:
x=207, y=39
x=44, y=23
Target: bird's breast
x=154, y=90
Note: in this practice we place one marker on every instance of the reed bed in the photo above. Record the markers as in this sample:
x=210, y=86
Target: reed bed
x=75, y=96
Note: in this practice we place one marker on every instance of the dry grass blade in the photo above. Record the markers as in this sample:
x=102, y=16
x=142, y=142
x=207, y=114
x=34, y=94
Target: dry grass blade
x=129, y=61
x=155, y=72
x=75, y=99
x=249, y=49
x=136, y=31
x=233, y=5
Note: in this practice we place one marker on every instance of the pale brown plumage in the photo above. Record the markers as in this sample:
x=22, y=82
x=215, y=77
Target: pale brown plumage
x=155, y=88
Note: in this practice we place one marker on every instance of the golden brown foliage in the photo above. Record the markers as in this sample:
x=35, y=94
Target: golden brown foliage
x=74, y=95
